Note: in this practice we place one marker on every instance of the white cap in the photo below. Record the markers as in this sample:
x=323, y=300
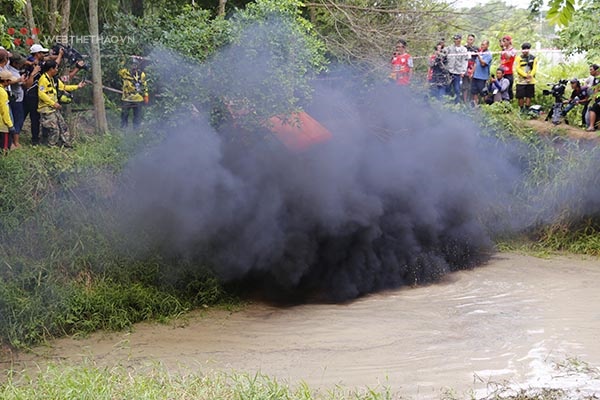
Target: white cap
x=37, y=48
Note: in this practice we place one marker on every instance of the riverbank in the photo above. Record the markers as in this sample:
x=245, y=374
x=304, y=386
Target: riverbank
x=516, y=319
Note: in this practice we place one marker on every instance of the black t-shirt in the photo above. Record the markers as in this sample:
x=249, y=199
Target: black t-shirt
x=32, y=91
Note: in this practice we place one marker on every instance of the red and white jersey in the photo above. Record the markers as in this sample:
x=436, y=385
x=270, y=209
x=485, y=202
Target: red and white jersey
x=402, y=64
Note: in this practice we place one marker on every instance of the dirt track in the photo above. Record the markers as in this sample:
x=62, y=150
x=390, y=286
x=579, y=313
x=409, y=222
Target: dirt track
x=562, y=130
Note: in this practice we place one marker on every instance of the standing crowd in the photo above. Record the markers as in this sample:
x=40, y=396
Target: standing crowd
x=464, y=73
x=31, y=87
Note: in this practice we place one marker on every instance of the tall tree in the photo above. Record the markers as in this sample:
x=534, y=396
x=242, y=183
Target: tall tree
x=65, y=11
x=99, y=110
x=221, y=10
x=30, y=19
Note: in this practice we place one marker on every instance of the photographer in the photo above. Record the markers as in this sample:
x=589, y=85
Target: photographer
x=135, y=93
x=438, y=76
x=498, y=87
x=33, y=67
x=579, y=95
x=49, y=107
x=75, y=60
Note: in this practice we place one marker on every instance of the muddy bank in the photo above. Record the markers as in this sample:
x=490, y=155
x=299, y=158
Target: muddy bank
x=509, y=319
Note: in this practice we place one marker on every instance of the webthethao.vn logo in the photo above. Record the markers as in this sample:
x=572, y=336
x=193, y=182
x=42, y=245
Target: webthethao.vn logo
x=88, y=39
x=25, y=37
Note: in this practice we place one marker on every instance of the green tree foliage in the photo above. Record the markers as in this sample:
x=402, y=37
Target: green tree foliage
x=582, y=33
x=260, y=60
x=8, y=8
x=273, y=54
x=560, y=12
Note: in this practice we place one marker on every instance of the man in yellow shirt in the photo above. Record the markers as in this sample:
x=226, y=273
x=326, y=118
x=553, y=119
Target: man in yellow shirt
x=49, y=108
x=526, y=69
x=135, y=92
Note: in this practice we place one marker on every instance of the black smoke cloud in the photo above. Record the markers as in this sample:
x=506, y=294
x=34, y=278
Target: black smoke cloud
x=357, y=214
x=402, y=194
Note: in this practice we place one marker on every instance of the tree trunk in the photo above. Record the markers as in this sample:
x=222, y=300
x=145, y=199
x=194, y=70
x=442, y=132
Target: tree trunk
x=221, y=10
x=99, y=110
x=30, y=20
x=65, y=11
x=53, y=16
x=312, y=13
x=137, y=8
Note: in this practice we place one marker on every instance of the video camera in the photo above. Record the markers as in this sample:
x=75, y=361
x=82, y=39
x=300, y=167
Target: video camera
x=73, y=56
x=557, y=90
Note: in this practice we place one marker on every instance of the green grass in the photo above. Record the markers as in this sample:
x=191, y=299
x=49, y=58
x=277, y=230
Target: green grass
x=87, y=380
x=59, y=381
x=60, y=270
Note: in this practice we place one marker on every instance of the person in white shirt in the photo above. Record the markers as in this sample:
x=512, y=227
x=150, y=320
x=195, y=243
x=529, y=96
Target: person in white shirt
x=458, y=59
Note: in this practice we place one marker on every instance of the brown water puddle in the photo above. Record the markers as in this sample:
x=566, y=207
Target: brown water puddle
x=506, y=320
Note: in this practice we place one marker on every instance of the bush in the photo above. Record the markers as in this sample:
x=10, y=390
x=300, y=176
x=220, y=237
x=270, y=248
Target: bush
x=64, y=268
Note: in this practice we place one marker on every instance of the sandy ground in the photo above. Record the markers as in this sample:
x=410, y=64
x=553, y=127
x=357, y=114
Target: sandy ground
x=512, y=319
x=562, y=130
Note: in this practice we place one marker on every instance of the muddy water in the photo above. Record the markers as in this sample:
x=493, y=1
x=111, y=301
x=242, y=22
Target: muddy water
x=509, y=319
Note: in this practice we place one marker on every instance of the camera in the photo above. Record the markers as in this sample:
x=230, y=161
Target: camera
x=557, y=90
x=64, y=97
x=73, y=56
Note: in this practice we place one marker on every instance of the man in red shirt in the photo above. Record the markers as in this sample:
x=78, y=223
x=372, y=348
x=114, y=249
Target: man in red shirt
x=402, y=64
x=507, y=60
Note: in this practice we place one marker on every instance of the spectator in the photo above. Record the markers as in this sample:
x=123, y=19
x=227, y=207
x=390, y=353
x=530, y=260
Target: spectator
x=507, y=61
x=526, y=70
x=592, y=82
x=49, y=108
x=135, y=92
x=472, y=51
x=579, y=95
x=482, y=71
x=439, y=77
x=458, y=59
x=593, y=111
x=15, y=97
x=17, y=109
x=594, y=77
x=402, y=64
x=594, y=105
x=498, y=87
x=30, y=103
x=6, y=124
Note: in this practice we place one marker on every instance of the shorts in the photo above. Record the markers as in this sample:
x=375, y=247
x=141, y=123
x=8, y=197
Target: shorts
x=525, y=91
x=477, y=86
